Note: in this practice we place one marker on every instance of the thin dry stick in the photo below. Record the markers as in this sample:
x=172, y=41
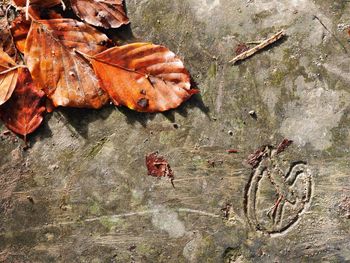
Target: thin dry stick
x=255, y=49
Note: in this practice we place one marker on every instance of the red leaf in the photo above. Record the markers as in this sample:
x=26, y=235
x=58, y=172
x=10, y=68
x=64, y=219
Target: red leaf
x=241, y=47
x=23, y=112
x=158, y=166
x=283, y=145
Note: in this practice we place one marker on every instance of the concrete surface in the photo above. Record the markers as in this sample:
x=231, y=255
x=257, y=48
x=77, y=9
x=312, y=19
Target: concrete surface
x=81, y=192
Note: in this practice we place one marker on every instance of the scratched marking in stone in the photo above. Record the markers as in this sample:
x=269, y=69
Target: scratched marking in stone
x=274, y=197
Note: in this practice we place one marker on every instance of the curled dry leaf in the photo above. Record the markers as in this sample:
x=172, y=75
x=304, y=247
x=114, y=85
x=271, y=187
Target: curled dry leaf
x=8, y=76
x=103, y=13
x=66, y=77
x=144, y=77
x=23, y=112
x=158, y=166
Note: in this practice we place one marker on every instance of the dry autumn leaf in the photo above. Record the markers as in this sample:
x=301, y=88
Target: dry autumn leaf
x=23, y=113
x=8, y=76
x=19, y=29
x=144, y=77
x=20, y=25
x=66, y=77
x=158, y=166
x=42, y=3
x=106, y=13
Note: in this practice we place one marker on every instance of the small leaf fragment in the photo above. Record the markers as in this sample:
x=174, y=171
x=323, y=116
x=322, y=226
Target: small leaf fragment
x=23, y=112
x=158, y=166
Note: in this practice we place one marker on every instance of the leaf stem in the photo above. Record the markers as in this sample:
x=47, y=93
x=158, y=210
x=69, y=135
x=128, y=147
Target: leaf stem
x=13, y=68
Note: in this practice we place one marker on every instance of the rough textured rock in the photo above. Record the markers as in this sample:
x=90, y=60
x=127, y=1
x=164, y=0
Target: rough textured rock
x=81, y=192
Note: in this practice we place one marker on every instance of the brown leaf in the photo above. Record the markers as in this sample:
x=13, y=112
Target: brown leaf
x=255, y=158
x=158, y=166
x=241, y=47
x=105, y=13
x=144, y=77
x=42, y=3
x=8, y=77
x=20, y=26
x=23, y=113
x=19, y=29
x=283, y=145
x=66, y=77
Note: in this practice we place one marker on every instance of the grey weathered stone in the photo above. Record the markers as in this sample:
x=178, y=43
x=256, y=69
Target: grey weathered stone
x=92, y=200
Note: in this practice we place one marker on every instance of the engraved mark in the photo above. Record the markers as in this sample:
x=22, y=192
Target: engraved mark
x=275, y=198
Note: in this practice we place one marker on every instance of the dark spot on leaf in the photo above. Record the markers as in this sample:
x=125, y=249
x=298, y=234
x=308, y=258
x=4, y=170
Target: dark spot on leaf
x=143, y=103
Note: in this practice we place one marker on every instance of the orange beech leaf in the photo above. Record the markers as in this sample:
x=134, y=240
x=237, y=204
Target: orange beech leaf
x=103, y=13
x=23, y=113
x=65, y=76
x=144, y=77
x=8, y=76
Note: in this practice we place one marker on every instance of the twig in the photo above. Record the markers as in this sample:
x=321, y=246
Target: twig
x=335, y=37
x=255, y=49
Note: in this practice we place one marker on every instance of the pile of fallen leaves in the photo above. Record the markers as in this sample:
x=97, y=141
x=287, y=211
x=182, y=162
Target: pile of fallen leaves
x=69, y=62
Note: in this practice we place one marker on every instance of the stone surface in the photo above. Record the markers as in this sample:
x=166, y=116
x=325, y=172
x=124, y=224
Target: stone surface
x=81, y=192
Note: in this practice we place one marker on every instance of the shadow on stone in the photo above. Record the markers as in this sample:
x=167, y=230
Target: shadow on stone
x=43, y=132
x=79, y=119
x=133, y=117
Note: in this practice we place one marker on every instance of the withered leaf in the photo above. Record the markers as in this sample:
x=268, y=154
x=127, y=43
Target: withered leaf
x=19, y=29
x=283, y=145
x=158, y=166
x=42, y=3
x=8, y=76
x=241, y=47
x=106, y=13
x=66, y=77
x=20, y=25
x=144, y=77
x=23, y=112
